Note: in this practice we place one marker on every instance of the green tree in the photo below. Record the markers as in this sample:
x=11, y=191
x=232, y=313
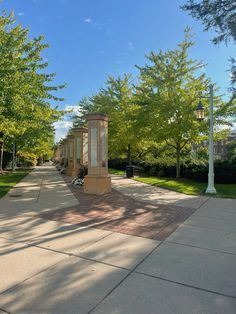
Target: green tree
x=231, y=150
x=167, y=94
x=220, y=16
x=116, y=100
x=25, y=88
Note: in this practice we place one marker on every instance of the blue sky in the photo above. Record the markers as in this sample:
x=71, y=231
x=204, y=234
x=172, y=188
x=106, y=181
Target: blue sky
x=91, y=39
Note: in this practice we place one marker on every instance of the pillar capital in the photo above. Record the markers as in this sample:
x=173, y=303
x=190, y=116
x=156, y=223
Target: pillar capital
x=79, y=130
x=96, y=116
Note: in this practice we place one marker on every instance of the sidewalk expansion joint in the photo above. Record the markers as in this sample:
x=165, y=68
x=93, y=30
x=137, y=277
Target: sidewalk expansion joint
x=209, y=228
x=81, y=257
x=206, y=216
x=26, y=279
x=40, y=189
x=121, y=281
x=201, y=247
x=187, y=285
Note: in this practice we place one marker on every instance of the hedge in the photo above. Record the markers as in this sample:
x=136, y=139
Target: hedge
x=225, y=171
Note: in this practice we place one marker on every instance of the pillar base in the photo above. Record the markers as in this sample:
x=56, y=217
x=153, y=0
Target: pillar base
x=75, y=172
x=97, y=185
x=69, y=170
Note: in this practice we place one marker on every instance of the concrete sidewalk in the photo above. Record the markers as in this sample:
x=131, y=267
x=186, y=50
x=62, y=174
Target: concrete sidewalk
x=155, y=195
x=54, y=267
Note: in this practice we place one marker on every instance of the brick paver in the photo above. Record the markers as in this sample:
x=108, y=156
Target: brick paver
x=119, y=213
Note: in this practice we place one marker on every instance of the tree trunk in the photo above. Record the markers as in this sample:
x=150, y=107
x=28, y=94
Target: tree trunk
x=178, y=161
x=129, y=155
x=14, y=156
x=1, y=154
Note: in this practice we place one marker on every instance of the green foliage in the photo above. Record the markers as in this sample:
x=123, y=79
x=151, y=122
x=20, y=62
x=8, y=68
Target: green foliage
x=231, y=150
x=167, y=94
x=220, y=16
x=116, y=100
x=27, y=159
x=25, y=88
x=154, y=122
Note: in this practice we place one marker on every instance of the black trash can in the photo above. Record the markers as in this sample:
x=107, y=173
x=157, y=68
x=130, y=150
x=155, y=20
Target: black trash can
x=129, y=171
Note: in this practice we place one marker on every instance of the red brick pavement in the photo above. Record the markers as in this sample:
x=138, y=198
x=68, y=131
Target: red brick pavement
x=119, y=213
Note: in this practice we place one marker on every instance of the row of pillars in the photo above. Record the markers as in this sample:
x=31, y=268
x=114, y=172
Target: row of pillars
x=88, y=147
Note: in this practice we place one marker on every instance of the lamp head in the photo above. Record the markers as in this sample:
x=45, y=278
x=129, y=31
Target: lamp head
x=200, y=111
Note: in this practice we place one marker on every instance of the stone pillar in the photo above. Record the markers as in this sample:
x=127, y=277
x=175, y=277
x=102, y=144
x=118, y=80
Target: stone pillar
x=70, y=154
x=80, y=149
x=57, y=153
x=60, y=152
x=66, y=152
x=97, y=181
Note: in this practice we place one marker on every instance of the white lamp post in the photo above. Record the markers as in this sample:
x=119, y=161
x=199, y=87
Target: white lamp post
x=200, y=116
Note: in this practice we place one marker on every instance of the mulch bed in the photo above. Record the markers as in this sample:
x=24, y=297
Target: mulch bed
x=119, y=213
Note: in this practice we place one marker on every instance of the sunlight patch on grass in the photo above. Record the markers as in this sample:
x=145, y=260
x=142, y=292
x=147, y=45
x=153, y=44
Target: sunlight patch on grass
x=8, y=180
x=117, y=172
x=190, y=187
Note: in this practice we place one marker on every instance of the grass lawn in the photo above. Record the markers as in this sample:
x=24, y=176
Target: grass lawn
x=8, y=180
x=117, y=172
x=190, y=187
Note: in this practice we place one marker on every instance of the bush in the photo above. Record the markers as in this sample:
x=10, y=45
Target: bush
x=161, y=173
x=119, y=164
x=225, y=171
x=27, y=160
x=7, y=158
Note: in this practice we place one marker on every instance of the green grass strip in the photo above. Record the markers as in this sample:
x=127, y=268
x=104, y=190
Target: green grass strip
x=9, y=180
x=190, y=187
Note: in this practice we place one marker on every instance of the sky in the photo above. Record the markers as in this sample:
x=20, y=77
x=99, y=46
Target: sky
x=92, y=39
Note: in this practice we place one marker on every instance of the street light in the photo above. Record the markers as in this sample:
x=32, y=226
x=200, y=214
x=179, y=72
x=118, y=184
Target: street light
x=200, y=111
x=200, y=116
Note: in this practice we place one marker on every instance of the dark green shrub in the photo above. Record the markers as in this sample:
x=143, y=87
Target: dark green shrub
x=225, y=171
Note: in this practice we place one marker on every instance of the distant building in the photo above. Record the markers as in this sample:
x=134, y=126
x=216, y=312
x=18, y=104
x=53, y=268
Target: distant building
x=220, y=147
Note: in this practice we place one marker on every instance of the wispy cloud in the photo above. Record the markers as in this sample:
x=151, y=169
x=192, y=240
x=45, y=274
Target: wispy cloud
x=130, y=45
x=88, y=20
x=21, y=14
x=61, y=129
x=72, y=109
x=96, y=25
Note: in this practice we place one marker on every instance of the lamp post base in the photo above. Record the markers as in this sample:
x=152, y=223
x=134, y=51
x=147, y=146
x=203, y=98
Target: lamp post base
x=211, y=190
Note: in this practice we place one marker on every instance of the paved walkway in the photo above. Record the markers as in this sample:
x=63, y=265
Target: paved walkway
x=48, y=266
